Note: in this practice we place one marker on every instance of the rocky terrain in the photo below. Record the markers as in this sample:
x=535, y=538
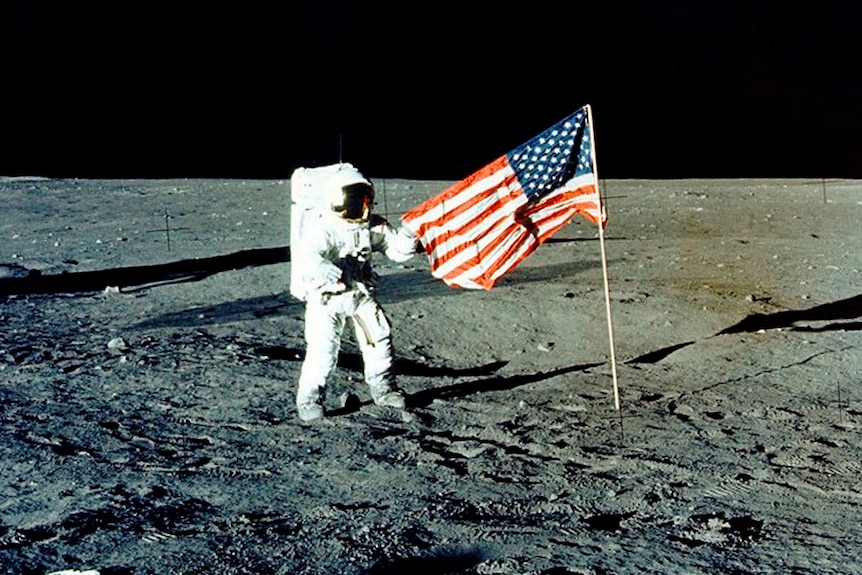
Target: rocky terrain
x=149, y=352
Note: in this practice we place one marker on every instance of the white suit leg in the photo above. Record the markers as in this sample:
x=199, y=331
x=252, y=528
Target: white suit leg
x=324, y=324
x=374, y=336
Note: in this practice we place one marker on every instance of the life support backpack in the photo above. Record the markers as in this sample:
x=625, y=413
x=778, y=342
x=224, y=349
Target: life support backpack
x=312, y=192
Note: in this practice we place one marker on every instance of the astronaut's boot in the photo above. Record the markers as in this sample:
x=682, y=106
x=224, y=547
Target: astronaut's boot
x=311, y=387
x=309, y=403
x=309, y=411
x=385, y=393
x=392, y=398
x=382, y=386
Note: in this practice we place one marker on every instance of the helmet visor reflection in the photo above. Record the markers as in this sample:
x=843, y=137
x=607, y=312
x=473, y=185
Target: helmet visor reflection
x=356, y=202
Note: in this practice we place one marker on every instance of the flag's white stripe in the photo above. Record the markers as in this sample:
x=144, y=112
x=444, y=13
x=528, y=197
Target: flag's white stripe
x=462, y=238
x=478, y=219
x=485, y=232
x=500, y=258
x=572, y=205
x=513, y=258
x=493, y=259
x=448, y=266
x=494, y=229
x=463, y=283
x=438, y=212
x=487, y=218
x=498, y=262
x=569, y=208
x=491, y=218
x=593, y=197
x=548, y=219
x=499, y=250
x=436, y=234
x=576, y=182
x=554, y=221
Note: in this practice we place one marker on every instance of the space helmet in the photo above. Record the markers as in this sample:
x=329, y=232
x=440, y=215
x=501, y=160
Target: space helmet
x=351, y=194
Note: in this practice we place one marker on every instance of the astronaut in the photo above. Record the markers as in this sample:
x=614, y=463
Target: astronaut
x=332, y=272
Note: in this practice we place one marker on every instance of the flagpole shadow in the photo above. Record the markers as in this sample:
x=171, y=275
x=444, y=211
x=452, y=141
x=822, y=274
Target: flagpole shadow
x=425, y=397
x=410, y=368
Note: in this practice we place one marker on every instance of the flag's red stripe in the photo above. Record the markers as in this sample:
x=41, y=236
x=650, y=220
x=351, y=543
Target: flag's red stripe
x=454, y=189
x=561, y=208
x=484, y=264
x=492, y=209
x=452, y=192
x=445, y=252
x=547, y=217
x=474, y=217
x=501, y=251
x=485, y=272
x=471, y=249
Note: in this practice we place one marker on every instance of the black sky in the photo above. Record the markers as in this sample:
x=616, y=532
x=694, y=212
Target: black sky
x=427, y=90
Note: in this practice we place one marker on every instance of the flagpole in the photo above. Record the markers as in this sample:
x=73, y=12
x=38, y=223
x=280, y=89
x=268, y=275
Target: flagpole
x=604, y=262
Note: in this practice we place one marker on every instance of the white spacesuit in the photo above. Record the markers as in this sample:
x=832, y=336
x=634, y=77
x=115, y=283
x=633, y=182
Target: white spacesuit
x=333, y=237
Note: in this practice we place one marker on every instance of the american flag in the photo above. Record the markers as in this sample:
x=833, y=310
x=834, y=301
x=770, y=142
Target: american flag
x=482, y=227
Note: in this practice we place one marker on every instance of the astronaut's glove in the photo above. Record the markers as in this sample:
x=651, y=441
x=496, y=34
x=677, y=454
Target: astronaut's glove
x=326, y=274
x=332, y=288
x=324, y=291
x=406, y=242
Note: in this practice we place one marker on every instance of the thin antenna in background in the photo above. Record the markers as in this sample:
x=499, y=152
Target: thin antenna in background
x=385, y=203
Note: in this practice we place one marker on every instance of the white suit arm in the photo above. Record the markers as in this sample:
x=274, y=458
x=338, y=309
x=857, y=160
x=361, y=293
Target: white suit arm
x=398, y=245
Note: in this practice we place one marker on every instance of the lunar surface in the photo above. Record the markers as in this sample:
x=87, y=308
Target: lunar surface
x=150, y=349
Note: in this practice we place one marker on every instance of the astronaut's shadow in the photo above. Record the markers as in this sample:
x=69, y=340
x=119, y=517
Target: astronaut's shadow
x=425, y=397
x=352, y=361
x=483, y=381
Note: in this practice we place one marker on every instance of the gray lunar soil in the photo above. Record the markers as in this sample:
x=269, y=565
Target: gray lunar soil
x=149, y=353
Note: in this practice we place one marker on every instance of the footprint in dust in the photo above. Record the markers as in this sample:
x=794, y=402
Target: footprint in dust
x=718, y=529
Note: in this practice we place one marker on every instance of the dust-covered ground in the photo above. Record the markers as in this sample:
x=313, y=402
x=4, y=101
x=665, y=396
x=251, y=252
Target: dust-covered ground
x=149, y=354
